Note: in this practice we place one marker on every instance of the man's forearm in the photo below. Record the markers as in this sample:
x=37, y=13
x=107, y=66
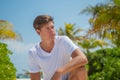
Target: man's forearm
x=73, y=64
x=78, y=60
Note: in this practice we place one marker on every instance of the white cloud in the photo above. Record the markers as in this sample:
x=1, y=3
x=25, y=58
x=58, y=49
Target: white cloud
x=18, y=47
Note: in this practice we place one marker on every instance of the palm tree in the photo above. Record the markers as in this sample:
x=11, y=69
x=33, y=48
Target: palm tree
x=106, y=21
x=72, y=32
x=6, y=31
x=91, y=43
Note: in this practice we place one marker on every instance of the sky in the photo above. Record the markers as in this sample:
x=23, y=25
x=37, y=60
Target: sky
x=21, y=13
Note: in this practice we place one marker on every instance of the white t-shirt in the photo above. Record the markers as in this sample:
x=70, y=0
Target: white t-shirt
x=50, y=62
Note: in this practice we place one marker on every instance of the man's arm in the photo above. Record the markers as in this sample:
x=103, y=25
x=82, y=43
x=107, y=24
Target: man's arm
x=35, y=76
x=78, y=59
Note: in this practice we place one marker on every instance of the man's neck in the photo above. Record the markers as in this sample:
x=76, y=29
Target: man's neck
x=47, y=45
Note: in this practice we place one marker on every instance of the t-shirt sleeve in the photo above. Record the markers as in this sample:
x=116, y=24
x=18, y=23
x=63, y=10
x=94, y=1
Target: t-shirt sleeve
x=33, y=65
x=68, y=45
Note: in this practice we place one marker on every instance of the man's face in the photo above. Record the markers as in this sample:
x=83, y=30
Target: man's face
x=48, y=31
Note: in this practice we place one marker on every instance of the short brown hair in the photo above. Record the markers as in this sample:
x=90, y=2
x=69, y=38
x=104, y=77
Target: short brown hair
x=40, y=20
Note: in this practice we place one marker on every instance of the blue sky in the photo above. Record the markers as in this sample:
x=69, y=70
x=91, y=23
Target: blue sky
x=21, y=14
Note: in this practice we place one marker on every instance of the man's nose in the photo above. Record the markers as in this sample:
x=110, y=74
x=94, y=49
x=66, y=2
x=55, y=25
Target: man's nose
x=51, y=30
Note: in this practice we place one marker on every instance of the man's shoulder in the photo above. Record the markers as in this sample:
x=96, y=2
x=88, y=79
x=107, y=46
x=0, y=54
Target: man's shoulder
x=33, y=49
x=62, y=38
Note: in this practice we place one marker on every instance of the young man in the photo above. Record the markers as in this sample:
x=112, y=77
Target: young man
x=56, y=56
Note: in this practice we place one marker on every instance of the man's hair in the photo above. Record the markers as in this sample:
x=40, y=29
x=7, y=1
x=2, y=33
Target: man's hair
x=41, y=20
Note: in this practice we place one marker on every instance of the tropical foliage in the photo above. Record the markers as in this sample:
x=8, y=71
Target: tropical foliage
x=104, y=64
x=106, y=21
x=6, y=31
x=91, y=43
x=72, y=32
x=7, y=69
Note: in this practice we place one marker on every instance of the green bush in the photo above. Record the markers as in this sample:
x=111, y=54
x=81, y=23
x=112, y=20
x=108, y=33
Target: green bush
x=7, y=69
x=104, y=64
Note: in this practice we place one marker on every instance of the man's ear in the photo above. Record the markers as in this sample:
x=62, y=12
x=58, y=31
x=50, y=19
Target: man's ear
x=38, y=31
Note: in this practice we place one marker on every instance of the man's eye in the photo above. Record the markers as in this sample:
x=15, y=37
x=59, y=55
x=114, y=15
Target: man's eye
x=52, y=26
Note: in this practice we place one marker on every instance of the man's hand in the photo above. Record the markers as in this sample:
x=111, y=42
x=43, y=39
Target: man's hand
x=57, y=75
